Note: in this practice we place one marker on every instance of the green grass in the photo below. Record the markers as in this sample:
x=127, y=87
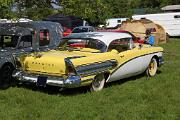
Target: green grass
x=140, y=98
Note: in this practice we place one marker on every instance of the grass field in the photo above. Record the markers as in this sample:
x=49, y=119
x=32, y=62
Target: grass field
x=139, y=98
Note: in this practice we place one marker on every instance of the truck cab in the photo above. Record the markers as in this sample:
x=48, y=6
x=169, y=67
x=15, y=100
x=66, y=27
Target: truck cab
x=17, y=39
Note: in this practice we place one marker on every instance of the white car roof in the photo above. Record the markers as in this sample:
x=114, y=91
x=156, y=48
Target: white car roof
x=106, y=37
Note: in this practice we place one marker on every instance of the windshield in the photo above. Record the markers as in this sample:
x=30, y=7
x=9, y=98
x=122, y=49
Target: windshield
x=8, y=40
x=84, y=44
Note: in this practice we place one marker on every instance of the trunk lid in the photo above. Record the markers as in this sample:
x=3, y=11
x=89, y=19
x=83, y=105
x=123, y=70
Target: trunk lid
x=51, y=62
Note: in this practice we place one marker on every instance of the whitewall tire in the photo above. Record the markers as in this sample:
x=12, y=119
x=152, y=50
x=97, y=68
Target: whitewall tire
x=98, y=83
x=152, y=68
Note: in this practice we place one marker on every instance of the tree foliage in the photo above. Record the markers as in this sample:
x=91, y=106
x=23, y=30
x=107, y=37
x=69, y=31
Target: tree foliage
x=5, y=8
x=119, y=8
x=34, y=9
x=95, y=11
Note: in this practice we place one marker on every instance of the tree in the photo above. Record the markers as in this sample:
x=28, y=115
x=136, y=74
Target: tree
x=119, y=8
x=95, y=11
x=34, y=9
x=5, y=8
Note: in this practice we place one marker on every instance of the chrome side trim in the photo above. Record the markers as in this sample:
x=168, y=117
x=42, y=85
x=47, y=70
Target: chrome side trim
x=95, y=68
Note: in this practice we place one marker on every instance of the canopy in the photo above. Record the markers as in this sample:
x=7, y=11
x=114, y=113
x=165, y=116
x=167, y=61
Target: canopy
x=139, y=28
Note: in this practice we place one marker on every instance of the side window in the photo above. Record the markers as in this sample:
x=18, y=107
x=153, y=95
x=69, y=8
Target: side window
x=118, y=21
x=177, y=16
x=120, y=44
x=44, y=37
x=8, y=40
x=26, y=41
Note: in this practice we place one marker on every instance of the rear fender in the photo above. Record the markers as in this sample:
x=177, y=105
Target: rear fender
x=93, y=65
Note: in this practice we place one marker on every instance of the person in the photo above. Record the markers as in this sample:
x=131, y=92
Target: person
x=149, y=39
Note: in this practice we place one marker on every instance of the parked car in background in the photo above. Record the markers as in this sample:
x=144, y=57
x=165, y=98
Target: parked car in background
x=67, y=31
x=105, y=57
x=78, y=30
x=21, y=38
x=68, y=22
x=83, y=29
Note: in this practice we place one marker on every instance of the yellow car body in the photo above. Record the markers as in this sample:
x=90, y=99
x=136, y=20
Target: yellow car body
x=80, y=65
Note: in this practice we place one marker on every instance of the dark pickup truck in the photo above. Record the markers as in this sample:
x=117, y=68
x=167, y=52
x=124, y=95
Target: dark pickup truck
x=21, y=38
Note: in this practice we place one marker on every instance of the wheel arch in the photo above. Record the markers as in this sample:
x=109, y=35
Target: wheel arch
x=106, y=76
x=9, y=64
x=157, y=59
x=8, y=81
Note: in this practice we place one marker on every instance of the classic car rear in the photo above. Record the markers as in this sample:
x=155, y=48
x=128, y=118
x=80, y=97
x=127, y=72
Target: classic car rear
x=104, y=57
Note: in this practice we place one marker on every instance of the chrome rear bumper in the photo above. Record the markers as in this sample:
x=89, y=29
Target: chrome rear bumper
x=70, y=82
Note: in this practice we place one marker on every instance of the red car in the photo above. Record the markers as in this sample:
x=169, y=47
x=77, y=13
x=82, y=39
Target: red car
x=66, y=32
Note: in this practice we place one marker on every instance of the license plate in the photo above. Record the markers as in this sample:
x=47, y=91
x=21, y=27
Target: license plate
x=41, y=81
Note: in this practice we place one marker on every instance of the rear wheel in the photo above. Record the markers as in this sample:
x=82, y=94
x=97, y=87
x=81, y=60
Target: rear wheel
x=5, y=76
x=152, y=68
x=98, y=83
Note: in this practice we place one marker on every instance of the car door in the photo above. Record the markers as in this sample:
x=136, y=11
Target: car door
x=129, y=62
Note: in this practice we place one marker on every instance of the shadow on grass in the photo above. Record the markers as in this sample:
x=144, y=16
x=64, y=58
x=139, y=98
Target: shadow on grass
x=52, y=90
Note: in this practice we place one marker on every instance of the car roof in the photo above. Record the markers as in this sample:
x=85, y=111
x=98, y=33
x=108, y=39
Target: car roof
x=32, y=24
x=26, y=27
x=115, y=30
x=106, y=37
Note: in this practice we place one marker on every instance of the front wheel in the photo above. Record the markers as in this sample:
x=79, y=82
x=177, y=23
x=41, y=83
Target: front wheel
x=98, y=83
x=152, y=68
x=5, y=77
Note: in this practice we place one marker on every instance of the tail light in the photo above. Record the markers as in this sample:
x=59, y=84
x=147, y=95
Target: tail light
x=66, y=32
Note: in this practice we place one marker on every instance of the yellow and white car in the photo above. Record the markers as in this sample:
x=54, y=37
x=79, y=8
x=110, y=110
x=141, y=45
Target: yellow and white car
x=93, y=59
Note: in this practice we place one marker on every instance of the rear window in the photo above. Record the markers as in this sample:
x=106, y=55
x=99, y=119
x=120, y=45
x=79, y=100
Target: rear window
x=44, y=37
x=84, y=43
